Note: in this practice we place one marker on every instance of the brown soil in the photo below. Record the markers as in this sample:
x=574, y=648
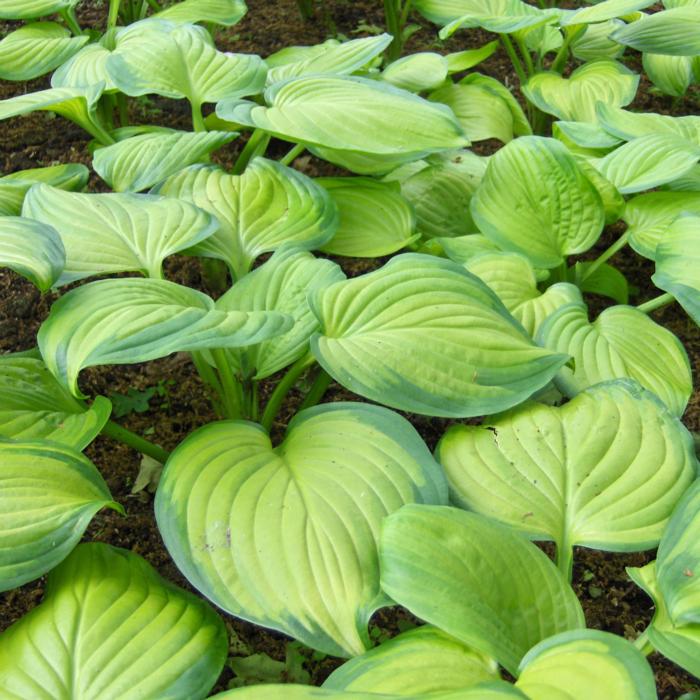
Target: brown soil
x=611, y=602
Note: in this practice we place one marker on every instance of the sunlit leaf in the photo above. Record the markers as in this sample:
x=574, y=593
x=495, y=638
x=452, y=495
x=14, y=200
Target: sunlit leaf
x=223, y=12
x=673, y=32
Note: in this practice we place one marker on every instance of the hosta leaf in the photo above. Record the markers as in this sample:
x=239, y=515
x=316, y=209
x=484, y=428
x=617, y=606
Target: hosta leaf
x=417, y=72
x=307, y=564
x=649, y=216
x=631, y=125
x=48, y=496
x=223, y=12
x=36, y=49
x=648, y=161
x=670, y=74
x=536, y=200
x=575, y=98
x=144, y=160
x=123, y=321
x=441, y=194
x=269, y=205
x=86, y=68
x=110, y=627
x=422, y=660
x=512, y=278
x=464, y=60
x=596, y=43
x=499, y=593
x=604, y=280
x=423, y=335
x=282, y=284
x=690, y=182
x=375, y=219
x=604, y=471
x=499, y=16
x=117, y=232
x=463, y=248
x=621, y=342
x=613, y=201
x=673, y=32
x=36, y=407
x=350, y=114
x=583, y=664
x=585, y=136
x=331, y=57
x=31, y=9
x=677, y=258
x=603, y=11
x=180, y=61
x=542, y=39
x=32, y=249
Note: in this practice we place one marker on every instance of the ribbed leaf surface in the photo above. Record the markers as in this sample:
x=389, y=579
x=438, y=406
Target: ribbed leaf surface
x=673, y=32
x=31, y=9
x=670, y=74
x=603, y=11
x=223, y=12
x=87, y=67
x=499, y=16
x=418, y=72
x=631, y=125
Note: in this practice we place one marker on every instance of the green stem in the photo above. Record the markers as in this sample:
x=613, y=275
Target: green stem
x=284, y=386
x=293, y=154
x=657, y=303
x=254, y=401
x=620, y=243
x=197, y=118
x=232, y=391
x=71, y=20
x=113, y=13
x=565, y=560
x=306, y=9
x=208, y=375
x=514, y=59
x=95, y=127
x=643, y=644
x=317, y=390
x=256, y=146
x=565, y=382
x=117, y=432
x=123, y=108
x=572, y=33
x=154, y=5
x=526, y=55
x=405, y=12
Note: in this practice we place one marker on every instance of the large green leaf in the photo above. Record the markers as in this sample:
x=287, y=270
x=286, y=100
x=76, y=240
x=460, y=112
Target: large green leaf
x=144, y=160
x=536, y=200
x=32, y=249
x=350, y=114
x=306, y=562
x=670, y=74
x=117, y=232
x=269, y=205
x=375, y=219
x=331, y=57
x=34, y=406
x=603, y=11
x=673, y=32
x=31, y=9
x=179, y=61
x=123, y=321
x=499, y=16
x=282, y=284
x=648, y=161
x=110, y=627
x=677, y=260
x=48, y=496
x=585, y=138
x=224, y=12
x=575, y=98
x=513, y=279
x=461, y=249
x=631, y=125
x=584, y=664
x=621, y=342
x=423, y=660
x=604, y=471
x=418, y=72
x=499, y=593
x=423, y=335
x=596, y=43
x=649, y=216
x=86, y=68
x=36, y=49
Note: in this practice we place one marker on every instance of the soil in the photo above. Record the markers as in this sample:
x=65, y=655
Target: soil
x=610, y=600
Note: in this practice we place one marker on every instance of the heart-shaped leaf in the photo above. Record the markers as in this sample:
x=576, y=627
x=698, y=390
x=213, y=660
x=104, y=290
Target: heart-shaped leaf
x=117, y=232
x=223, y=12
x=350, y=114
x=536, y=200
x=604, y=471
x=621, y=342
x=423, y=335
x=281, y=284
x=111, y=627
x=86, y=68
x=123, y=321
x=375, y=219
x=673, y=32
x=48, y=496
x=308, y=566
x=34, y=406
x=269, y=205
x=32, y=249
x=584, y=664
x=513, y=279
x=670, y=74
x=499, y=593
x=677, y=258
x=418, y=72
x=36, y=49
x=144, y=160
x=649, y=217
x=422, y=660
x=31, y=9
x=575, y=98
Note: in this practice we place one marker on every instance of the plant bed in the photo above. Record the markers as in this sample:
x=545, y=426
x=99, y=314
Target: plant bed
x=425, y=549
